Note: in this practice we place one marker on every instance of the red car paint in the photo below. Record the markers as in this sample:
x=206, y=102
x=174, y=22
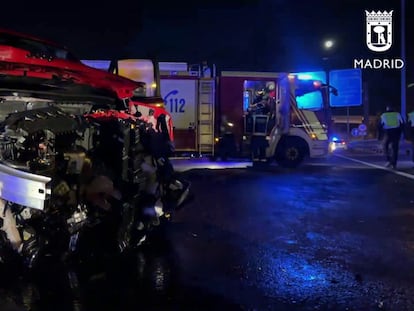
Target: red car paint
x=25, y=55
x=13, y=58
x=111, y=114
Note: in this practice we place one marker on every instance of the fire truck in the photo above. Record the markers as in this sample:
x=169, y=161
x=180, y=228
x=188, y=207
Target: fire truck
x=258, y=115
x=187, y=96
x=262, y=116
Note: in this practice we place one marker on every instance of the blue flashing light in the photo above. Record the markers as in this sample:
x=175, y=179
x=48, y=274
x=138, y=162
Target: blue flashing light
x=303, y=76
x=246, y=100
x=334, y=138
x=312, y=75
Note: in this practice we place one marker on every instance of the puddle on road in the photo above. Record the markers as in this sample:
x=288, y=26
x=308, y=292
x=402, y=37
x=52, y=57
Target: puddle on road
x=142, y=279
x=148, y=280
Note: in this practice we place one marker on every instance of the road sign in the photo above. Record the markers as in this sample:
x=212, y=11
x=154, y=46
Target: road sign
x=348, y=82
x=362, y=127
x=355, y=132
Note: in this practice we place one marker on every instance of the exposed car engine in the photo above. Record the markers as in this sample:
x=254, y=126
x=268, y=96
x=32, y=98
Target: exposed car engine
x=70, y=171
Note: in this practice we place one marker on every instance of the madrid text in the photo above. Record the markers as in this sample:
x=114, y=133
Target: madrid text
x=378, y=63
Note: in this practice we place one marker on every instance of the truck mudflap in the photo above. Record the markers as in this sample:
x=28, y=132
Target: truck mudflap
x=23, y=188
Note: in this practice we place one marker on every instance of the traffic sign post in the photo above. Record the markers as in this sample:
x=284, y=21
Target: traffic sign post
x=355, y=132
x=361, y=130
x=348, y=82
x=362, y=127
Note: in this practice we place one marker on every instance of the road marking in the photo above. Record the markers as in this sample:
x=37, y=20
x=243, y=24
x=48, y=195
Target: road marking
x=377, y=166
x=185, y=165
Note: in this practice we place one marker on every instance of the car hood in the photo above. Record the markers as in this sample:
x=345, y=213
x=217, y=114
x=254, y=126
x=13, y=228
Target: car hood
x=53, y=89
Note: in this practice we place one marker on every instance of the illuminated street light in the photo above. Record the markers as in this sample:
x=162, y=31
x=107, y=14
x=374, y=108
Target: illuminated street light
x=328, y=44
x=328, y=47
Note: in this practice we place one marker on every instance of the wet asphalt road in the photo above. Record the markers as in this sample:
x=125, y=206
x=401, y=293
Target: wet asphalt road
x=332, y=235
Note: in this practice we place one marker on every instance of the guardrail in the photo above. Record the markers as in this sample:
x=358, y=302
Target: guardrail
x=376, y=147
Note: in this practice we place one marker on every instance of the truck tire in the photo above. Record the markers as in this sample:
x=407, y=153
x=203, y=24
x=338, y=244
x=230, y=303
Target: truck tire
x=291, y=152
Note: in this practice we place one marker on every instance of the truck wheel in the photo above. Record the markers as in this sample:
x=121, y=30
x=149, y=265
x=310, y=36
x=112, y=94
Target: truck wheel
x=291, y=152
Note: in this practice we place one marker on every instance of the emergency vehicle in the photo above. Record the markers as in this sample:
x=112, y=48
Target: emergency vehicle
x=187, y=97
x=246, y=114
x=263, y=117
x=221, y=116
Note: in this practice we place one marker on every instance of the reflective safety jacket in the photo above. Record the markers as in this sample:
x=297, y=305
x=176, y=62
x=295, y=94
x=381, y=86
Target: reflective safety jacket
x=411, y=118
x=391, y=120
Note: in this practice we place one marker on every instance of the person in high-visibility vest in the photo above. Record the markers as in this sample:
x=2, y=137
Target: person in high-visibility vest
x=391, y=124
x=410, y=131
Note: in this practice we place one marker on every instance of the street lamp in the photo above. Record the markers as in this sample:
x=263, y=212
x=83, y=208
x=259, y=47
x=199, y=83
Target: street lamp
x=403, y=70
x=328, y=47
x=328, y=44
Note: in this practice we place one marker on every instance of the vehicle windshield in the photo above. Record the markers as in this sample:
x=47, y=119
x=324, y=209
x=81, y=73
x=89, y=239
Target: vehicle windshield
x=36, y=47
x=308, y=93
x=310, y=101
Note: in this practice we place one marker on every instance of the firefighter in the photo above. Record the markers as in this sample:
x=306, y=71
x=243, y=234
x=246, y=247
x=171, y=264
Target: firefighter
x=151, y=119
x=163, y=148
x=410, y=131
x=206, y=70
x=391, y=125
x=257, y=102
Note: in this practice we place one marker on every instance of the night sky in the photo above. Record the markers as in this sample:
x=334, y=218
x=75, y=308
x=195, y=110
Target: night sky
x=261, y=35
